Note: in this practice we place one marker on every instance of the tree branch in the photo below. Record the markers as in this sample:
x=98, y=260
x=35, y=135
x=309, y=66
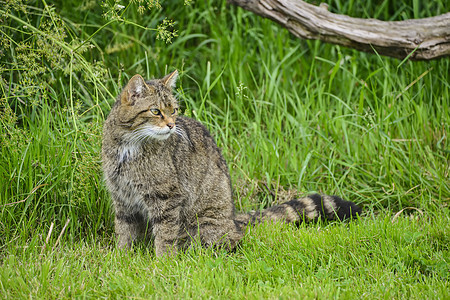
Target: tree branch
x=426, y=39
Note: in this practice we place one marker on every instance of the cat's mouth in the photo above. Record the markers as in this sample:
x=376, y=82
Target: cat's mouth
x=162, y=133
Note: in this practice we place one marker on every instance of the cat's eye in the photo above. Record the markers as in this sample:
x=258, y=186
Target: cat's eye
x=174, y=111
x=155, y=111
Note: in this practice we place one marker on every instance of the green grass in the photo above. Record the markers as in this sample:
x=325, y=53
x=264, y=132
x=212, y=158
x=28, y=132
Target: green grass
x=291, y=116
x=376, y=257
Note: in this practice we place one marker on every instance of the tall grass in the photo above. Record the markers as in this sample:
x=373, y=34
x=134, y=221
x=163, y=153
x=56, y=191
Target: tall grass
x=291, y=116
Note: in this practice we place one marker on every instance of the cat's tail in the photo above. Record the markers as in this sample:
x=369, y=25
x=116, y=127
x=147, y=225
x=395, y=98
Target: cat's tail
x=309, y=208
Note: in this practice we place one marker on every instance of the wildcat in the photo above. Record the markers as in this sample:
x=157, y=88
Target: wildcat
x=168, y=179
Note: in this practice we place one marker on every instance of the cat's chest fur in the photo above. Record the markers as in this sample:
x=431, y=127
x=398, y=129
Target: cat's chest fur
x=142, y=178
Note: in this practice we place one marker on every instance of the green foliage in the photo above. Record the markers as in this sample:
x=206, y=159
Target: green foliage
x=292, y=117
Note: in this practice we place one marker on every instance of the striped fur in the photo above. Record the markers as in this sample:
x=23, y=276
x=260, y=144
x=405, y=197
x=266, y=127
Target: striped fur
x=305, y=209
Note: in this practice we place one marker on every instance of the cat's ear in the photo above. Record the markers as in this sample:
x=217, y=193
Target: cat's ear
x=135, y=88
x=170, y=79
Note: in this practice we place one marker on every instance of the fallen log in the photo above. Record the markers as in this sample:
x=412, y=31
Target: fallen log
x=420, y=39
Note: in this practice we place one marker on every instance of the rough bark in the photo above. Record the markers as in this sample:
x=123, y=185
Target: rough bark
x=422, y=39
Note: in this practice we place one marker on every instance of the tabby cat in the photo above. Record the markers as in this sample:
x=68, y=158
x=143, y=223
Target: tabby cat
x=168, y=179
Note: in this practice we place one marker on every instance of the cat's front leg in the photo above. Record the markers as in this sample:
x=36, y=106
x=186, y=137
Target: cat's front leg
x=129, y=228
x=166, y=229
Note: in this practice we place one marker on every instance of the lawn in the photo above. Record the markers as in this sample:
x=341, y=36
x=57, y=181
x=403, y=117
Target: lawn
x=291, y=116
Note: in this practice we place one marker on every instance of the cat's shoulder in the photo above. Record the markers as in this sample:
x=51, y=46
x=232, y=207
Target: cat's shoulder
x=192, y=125
x=195, y=132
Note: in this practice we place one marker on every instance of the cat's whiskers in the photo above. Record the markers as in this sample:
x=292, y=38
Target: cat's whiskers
x=143, y=133
x=180, y=131
x=133, y=141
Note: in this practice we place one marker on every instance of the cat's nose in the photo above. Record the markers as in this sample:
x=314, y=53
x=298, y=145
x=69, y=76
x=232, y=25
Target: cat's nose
x=171, y=125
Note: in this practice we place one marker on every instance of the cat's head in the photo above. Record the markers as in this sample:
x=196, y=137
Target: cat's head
x=148, y=109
